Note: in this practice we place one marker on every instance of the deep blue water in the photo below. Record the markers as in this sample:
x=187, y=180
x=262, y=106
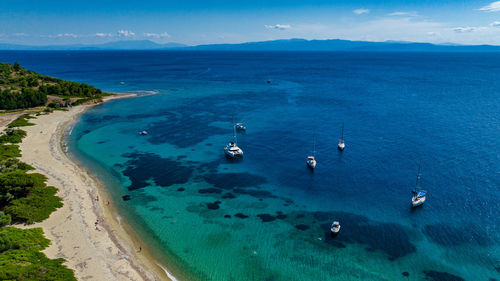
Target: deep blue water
x=266, y=217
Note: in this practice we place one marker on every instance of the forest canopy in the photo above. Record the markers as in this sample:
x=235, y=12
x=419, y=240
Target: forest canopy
x=23, y=88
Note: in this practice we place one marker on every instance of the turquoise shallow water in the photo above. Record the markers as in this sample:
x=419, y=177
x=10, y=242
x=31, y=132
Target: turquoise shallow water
x=267, y=217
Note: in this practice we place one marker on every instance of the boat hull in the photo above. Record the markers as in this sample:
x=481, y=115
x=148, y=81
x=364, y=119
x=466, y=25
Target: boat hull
x=417, y=203
x=341, y=145
x=334, y=232
x=231, y=154
x=311, y=164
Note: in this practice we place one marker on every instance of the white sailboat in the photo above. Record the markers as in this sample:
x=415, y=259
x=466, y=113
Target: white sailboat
x=419, y=195
x=341, y=144
x=231, y=149
x=311, y=161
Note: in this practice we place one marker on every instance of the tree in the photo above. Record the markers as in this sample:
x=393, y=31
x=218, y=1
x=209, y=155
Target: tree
x=17, y=66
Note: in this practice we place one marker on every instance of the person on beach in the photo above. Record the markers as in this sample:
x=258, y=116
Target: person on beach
x=96, y=223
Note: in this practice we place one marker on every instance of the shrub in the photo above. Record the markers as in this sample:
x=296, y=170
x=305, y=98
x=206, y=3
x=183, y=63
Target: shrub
x=12, y=136
x=9, y=151
x=4, y=219
x=21, y=121
x=21, y=259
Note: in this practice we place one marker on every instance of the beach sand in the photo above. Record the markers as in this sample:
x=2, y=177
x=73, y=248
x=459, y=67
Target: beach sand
x=110, y=253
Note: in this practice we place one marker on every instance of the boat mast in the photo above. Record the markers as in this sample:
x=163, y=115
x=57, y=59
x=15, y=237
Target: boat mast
x=234, y=131
x=418, y=176
x=314, y=145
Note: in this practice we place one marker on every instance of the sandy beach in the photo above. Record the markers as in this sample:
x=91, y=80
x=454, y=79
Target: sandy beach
x=105, y=253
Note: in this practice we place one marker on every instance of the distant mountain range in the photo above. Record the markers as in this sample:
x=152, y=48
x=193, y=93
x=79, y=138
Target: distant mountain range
x=346, y=45
x=117, y=45
x=275, y=45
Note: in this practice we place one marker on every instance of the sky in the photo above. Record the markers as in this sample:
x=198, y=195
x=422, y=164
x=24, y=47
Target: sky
x=193, y=22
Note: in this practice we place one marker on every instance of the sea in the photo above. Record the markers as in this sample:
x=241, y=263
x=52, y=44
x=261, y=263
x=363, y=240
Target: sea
x=267, y=216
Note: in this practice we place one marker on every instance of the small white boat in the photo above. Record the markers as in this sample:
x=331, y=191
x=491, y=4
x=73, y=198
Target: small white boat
x=240, y=127
x=335, y=228
x=341, y=144
x=122, y=83
x=419, y=195
x=143, y=133
x=232, y=150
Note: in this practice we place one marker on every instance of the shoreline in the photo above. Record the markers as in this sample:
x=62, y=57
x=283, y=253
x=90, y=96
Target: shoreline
x=106, y=254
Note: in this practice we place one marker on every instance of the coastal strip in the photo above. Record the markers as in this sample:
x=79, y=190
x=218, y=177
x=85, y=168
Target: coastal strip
x=102, y=251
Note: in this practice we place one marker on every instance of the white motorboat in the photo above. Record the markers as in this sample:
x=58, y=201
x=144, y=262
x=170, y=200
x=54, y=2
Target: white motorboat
x=143, y=133
x=335, y=228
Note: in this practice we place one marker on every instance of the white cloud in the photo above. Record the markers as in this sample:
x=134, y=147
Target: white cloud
x=492, y=7
x=407, y=14
x=278, y=26
x=468, y=29
x=101, y=34
x=126, y=33
x=72, y=35
x=361, y=11
x=156, y=35
x=432, y=33
x=495, y=24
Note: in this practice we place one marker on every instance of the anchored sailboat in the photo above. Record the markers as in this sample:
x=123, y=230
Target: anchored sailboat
x=418, y=194
x=341, y=144
x=311, y=161
x=232, y=150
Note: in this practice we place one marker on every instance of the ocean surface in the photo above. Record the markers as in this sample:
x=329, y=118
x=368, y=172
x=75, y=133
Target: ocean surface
x=267, y=216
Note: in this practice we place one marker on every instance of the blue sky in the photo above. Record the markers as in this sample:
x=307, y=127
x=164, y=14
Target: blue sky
x=37, y=22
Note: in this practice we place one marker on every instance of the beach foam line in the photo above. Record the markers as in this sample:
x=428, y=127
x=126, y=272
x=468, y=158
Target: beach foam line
x=167, y=273
x=145, y=92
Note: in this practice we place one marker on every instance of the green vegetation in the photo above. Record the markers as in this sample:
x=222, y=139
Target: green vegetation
x=22, y=88
x=21, y=121
x=12, y=136
x=9, y=151
x=13, y=164
x=25, y=198
x=21, y=259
